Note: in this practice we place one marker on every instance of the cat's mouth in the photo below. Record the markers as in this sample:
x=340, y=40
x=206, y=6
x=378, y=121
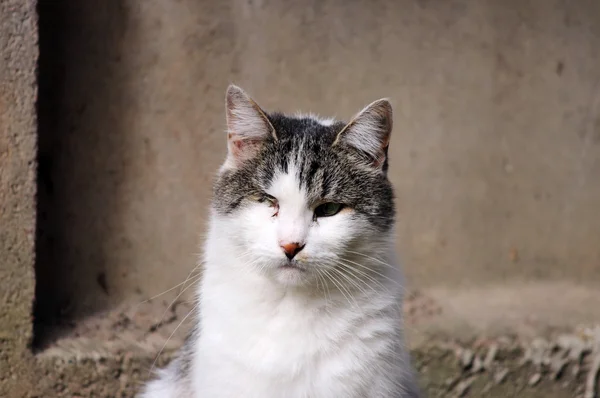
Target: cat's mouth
x=292, y=265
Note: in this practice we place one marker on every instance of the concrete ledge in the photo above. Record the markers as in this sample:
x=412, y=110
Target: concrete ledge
x=441, y=364
x=516, y=308
x=442, y=325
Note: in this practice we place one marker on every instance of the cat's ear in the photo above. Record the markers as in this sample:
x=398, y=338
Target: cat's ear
x=248, y=126
x=369, y=132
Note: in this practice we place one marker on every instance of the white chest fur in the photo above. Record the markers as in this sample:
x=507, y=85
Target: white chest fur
x=258, y=340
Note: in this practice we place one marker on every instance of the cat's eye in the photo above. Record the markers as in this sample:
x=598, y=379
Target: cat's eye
x=328, y=209
x=270, y=200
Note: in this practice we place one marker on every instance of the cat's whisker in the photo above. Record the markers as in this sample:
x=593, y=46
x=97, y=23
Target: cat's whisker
x=246, y=266
x=359, y=276
x=326, y=293
x=375, y=272
x=328, y=276
x=167, y=291
x=324, y=284
x=363, y=274
x=372, y=258
x=170, y=337
x=244, y=254
x=350, y=280
x=252, y=264
x=195, y=279
x=319, y=283
x=342, y=289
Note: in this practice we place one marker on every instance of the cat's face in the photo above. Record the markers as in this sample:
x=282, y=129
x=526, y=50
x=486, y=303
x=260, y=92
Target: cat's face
x=304, y=198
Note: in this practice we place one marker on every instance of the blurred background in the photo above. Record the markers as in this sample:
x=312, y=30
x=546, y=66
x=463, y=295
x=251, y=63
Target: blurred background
x=495, y=158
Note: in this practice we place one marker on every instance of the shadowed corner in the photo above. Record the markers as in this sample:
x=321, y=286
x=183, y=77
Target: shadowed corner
x=79, y=141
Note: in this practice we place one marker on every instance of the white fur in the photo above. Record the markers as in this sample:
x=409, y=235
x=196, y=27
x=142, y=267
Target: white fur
x=321, y=120
x=167, y=385
x=294, y=216
x=268, y=332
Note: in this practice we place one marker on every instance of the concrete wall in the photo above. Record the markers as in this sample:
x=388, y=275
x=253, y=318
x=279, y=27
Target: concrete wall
x=18, y=55
x=495, y=154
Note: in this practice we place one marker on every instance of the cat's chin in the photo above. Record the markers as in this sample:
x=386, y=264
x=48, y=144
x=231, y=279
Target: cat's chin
x=291, y=274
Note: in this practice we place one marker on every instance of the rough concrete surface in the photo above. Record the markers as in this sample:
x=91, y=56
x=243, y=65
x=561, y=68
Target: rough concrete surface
x=18, y=56
x=495, y=158
x=446, y=370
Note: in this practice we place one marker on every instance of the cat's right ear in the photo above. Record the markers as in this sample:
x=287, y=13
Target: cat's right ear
x=247, y=127
x=369, y=132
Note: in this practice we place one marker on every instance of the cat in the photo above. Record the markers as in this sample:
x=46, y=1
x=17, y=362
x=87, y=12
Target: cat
x=301, y=294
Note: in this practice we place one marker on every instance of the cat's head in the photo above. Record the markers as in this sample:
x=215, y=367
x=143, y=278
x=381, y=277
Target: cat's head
x=301, y=197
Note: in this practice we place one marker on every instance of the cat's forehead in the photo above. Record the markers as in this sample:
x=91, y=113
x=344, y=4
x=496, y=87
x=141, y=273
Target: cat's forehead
x=303, y=161
x=303, y=127
x=288, y=189
x=299, y=171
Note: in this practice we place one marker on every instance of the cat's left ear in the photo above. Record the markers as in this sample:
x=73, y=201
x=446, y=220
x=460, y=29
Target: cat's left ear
x=369, y=132
x=248, y=127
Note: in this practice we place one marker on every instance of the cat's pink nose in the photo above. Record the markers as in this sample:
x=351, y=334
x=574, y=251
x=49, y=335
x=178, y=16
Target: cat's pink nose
x=291, y=249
